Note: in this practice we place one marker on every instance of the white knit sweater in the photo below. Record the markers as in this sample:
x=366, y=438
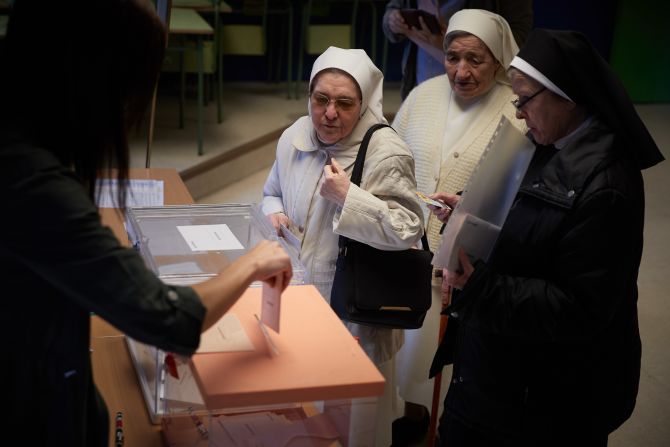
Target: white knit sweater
x=421, y=122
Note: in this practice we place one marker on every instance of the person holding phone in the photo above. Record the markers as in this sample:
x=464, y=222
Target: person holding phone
x=447, y=122
x=422, y=54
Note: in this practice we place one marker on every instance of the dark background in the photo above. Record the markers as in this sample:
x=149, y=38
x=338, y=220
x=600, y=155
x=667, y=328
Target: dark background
x=631, y=34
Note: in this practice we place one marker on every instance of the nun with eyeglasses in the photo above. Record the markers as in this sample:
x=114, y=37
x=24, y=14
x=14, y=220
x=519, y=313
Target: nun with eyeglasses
x=309, y=191
x=544, y=336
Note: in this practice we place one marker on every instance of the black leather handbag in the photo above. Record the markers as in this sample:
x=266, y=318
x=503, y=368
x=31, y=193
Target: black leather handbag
x=382, y=288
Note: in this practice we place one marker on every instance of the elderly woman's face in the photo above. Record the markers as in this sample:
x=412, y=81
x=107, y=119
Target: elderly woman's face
x=336, y=107
x=548, y=116
x=470, y=66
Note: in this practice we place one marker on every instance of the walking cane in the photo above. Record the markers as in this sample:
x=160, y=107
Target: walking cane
x=435, y=409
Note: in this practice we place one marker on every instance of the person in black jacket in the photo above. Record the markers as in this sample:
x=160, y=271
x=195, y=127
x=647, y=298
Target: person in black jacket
x=423, y=56
x=76, y=76
x=544, y=336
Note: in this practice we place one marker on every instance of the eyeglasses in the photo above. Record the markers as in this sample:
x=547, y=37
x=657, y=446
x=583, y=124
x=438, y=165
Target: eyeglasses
x=519, y=103
x=344, y=104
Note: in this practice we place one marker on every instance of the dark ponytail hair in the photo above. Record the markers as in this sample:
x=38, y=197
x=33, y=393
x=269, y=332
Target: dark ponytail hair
x=77, y=76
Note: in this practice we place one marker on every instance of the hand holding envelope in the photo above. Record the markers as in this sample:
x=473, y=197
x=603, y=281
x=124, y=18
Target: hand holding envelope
x=286, y=229
x=441, y=204
x=292, y=235
x=278, y=219
x=430, y=201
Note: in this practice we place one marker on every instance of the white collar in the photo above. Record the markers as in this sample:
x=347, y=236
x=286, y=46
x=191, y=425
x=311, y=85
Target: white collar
x=562, y=142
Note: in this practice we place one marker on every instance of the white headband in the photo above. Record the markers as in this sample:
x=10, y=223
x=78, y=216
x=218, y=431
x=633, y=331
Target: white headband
x=531, y=71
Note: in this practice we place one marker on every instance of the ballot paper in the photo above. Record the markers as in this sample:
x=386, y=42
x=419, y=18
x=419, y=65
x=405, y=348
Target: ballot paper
x=139, y=193
x=271, y=303
x=227, y=335
x=209, y=237
x=290, y=236
x=272, y=348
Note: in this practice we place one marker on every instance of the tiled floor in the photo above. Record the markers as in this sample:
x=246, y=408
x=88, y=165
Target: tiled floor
x=251, y=110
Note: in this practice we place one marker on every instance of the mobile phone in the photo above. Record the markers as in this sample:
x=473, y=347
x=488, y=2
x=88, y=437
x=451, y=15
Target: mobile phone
x=411, y=17
x=430, y=201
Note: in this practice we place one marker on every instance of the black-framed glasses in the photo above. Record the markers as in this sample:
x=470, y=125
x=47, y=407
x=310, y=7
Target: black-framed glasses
x=344, y=104
x=519, y=103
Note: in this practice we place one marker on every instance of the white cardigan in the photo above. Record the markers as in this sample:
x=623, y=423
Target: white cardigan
x=421, y=122
x=384, y=212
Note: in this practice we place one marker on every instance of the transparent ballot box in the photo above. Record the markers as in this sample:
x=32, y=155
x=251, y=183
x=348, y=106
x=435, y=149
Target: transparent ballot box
x=310, y=384
x=185, y=245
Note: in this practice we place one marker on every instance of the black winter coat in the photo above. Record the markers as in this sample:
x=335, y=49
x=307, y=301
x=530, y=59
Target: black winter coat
x=58, y=264
x=545, y=345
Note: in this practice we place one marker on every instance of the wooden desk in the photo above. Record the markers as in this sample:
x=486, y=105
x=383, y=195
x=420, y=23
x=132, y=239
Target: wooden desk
x=216, y=7
x=187, y=22
x=203, y=5
x=113, y=370
x=4, y=20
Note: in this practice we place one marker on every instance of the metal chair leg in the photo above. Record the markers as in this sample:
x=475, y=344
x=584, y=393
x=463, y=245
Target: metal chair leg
x=200, y=94
x=306, y=12
x=182, y=87
x=219, y=61
x=289, y=67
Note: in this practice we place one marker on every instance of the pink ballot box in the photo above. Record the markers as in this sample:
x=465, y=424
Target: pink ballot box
x=187, y=244
x=310, y=384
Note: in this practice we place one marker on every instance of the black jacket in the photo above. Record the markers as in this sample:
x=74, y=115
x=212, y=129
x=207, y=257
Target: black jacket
x=57, y=265
x=546, y=346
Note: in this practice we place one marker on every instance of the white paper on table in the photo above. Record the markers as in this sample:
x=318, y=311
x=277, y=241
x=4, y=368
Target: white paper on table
x=139, y=193
x=185, y=389
x=209, y=237
x=227, y=335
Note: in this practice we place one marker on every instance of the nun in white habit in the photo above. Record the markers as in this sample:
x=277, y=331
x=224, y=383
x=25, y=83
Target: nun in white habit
x=308, y=188
x=447, y=122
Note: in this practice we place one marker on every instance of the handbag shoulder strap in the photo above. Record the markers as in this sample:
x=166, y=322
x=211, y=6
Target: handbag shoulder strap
x=357, y=175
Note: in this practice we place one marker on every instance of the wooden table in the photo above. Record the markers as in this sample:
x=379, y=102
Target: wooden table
x=202, y=5
x=4, y=20
x=216, y=7
x=113, y=370
x=187, y=22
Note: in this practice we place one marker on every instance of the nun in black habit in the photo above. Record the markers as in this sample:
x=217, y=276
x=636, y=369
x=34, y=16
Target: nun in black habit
x=544, y=336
